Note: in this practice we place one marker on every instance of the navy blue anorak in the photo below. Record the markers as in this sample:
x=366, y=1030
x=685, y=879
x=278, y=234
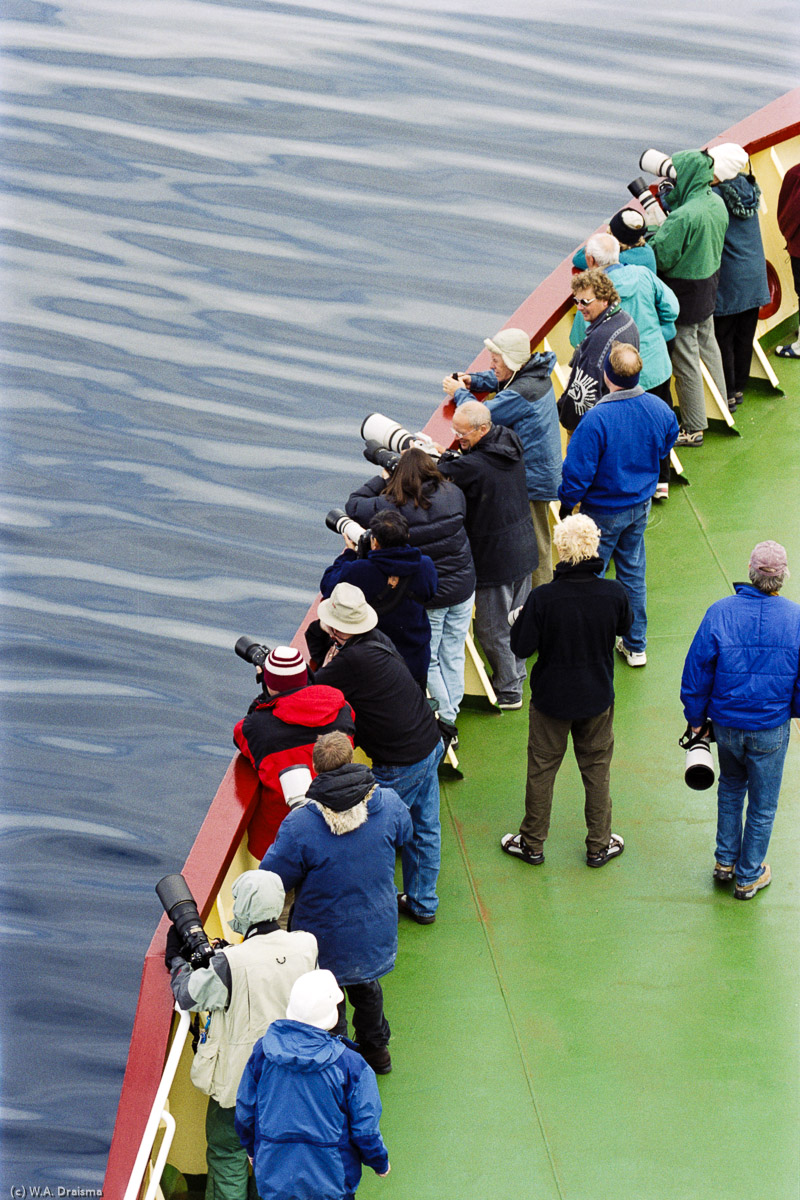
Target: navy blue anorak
x=307, y=1113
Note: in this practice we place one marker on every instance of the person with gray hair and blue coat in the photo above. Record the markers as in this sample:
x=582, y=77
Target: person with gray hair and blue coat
x=524, y=401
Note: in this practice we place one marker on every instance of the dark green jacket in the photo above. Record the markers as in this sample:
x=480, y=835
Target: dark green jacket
x=689, y=243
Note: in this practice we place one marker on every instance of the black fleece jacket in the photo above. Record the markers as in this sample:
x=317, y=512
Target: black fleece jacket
x=573, y=622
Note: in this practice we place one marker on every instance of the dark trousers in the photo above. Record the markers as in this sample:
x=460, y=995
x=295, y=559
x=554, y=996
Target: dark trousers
x=663, y=391
x=229, y=1175
x=734, y=336
x=593, y=743
x=370, y=1028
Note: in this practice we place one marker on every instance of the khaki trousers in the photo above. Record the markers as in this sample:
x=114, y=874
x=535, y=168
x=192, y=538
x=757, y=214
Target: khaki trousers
x=544, y=540
x=593, y=743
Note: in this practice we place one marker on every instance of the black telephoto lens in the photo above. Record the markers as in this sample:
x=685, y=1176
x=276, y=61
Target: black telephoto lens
x=251, y=651
x=179, y=905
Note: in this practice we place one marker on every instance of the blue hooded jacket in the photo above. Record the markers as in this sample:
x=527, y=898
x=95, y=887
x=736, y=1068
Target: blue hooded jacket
x=743, y=271
x=404, y=621
x=308, y=1113
x=526, y=403
x=344, y=883
x=743, y=666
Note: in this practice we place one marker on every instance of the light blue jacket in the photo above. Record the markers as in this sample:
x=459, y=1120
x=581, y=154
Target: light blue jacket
x=654, y=307
x=614, y=454
x=743, y=666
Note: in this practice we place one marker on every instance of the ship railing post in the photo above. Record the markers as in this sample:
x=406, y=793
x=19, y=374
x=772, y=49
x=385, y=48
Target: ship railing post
x=158, y=1113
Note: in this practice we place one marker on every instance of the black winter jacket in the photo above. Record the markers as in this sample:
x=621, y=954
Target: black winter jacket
x=573, y=623
x=499, y=527
x=437, y=531
x=394, y=722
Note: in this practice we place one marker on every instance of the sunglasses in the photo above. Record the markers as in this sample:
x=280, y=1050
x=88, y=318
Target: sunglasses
x=584, y=303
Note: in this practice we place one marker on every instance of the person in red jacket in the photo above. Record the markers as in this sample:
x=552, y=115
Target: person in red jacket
x=279, y=731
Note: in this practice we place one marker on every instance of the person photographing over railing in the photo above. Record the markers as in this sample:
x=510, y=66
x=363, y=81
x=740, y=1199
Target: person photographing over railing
x=280, y=729
x=524, y=401
x=243, y=989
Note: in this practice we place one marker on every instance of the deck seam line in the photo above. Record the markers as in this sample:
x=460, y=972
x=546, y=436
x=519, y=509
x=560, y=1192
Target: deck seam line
x=504, y=994
x=707, y=540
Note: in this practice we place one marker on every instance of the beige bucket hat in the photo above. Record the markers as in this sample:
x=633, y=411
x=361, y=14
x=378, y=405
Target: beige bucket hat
x=347, y=611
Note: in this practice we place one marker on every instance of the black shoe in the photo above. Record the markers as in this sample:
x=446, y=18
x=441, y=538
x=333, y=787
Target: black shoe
x=378, y=1058
x=515, y=844
x=405, y=908
x=612, y=850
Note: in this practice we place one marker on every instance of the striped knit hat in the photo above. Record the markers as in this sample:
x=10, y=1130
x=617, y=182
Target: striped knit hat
x=284, y=669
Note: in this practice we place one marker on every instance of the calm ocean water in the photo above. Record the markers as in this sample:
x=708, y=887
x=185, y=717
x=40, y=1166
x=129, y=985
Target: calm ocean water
x=230, y=231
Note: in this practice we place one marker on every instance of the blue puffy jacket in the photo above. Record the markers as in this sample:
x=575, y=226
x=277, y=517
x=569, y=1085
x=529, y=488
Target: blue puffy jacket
x=743, y=666
x=526, y=403
x=344, y=883
x=307, y=1113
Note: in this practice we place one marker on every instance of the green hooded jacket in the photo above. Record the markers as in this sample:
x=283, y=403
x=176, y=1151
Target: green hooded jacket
x=689, y=243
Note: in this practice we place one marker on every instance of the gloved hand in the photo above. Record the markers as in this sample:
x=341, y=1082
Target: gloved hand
x=564, y=511
x=174, y=948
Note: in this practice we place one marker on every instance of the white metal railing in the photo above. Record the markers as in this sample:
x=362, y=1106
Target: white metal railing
x=159, y=1113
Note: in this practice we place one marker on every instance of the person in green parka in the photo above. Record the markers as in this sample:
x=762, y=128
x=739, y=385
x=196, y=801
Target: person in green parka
x=688, y=250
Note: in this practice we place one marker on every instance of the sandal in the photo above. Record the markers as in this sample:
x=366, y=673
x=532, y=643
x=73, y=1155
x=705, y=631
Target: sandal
x=787, y=352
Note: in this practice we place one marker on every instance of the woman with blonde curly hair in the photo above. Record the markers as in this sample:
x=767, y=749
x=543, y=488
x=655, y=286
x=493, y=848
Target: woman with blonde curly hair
x=572, y=623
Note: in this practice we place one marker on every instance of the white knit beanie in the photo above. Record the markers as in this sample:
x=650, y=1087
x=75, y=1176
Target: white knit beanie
x=729, y=160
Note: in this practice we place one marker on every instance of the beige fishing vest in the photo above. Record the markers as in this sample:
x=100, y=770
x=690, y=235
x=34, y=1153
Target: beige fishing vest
x=263, y=970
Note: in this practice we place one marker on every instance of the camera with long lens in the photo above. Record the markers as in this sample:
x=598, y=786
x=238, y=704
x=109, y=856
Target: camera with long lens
x=179, y=905
x=250, y=651
x=698, y=772
x=295, y=782
x=338, y=520
x=379, y=456
x=653, y=162
x=653, y=210
x=392, y=436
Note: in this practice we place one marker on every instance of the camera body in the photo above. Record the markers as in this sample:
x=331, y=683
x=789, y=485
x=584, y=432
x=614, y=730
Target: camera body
x=179, y=905
x=250, y=651
x=338, y=521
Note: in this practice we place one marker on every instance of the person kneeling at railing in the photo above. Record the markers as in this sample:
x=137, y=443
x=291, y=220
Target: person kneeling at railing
x=243, y=989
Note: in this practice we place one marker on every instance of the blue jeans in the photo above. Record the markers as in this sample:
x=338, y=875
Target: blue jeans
x=750, y=763
x=417, y=785
x=622, y=538
x=449, y=629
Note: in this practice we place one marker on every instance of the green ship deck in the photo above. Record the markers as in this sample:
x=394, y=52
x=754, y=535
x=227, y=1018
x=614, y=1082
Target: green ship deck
x=629, y=1033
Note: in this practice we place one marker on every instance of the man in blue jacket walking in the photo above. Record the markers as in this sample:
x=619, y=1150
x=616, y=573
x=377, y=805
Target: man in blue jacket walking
x=742, y=676
x=308, y=1108
x=611, y=469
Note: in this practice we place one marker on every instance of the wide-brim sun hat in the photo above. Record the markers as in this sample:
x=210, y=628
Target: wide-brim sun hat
x=347, y=611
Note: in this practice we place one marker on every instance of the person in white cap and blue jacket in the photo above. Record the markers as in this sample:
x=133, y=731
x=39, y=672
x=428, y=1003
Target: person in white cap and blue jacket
x=243, y=989
x=308, y=1109
x=524, y=401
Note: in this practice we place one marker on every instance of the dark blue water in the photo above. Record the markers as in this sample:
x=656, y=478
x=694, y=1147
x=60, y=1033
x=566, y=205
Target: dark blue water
x=230, y=231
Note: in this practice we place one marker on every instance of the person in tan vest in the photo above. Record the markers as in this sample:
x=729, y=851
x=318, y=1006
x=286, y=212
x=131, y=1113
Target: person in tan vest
x=243, y=990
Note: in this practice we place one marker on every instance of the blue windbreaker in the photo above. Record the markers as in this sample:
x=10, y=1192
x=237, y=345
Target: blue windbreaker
x=743, y=666
x=613, y=456
x=307, y=1113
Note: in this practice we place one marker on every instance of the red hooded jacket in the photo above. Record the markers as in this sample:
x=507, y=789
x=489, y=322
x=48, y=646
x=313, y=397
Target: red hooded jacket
x=280, y=731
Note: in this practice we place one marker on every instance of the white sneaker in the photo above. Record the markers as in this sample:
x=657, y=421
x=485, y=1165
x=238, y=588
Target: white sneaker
x=634, y=658
x=661, y=492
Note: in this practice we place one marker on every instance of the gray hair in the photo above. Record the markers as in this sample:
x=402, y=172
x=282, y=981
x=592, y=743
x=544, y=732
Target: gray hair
x=604, y=249
x=476, y=414
x=766, y=583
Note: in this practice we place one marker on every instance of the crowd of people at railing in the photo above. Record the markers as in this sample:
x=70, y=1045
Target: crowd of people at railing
x=464, y=533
